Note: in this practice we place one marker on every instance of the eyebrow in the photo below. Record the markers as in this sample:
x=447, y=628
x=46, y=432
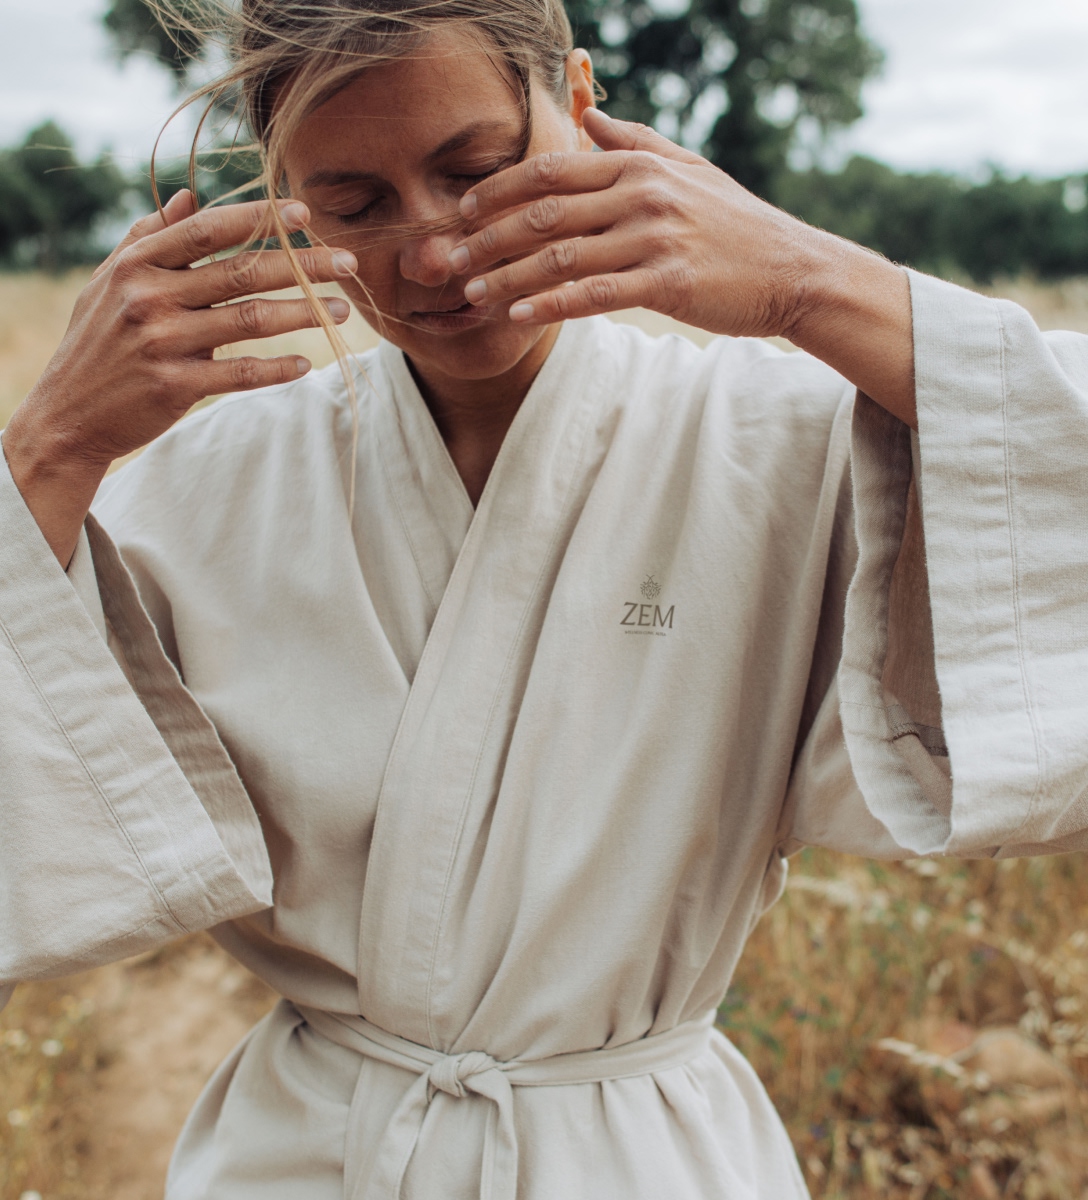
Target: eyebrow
x=457, y=142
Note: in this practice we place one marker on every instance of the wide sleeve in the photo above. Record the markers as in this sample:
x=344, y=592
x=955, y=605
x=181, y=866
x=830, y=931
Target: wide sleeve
x=124, y=823
x=956, y=720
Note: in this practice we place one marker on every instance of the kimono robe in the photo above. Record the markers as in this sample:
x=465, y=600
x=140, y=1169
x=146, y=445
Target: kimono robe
x=494, y=798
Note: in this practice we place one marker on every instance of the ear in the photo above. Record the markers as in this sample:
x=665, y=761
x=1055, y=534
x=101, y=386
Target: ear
x=582, y=93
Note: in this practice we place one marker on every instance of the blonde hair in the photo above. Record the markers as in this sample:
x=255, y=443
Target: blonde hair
x=288, y=57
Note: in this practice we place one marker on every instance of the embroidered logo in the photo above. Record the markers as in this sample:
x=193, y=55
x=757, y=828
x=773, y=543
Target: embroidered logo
x=649, y=618
x=650, y=588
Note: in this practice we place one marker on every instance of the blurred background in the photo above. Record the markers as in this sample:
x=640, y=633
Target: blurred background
x=922, y=1027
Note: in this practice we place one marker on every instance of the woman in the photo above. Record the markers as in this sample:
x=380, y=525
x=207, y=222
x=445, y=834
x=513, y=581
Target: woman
x=480, y=729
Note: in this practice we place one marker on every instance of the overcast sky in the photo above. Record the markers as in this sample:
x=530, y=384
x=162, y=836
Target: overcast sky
x=967, y=82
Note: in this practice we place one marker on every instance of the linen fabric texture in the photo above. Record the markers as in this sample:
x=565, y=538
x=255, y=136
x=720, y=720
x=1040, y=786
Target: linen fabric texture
x=493, y=798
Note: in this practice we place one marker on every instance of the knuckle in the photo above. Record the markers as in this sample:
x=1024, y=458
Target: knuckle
x=245, y=373
x=674, y=282
x=127, y=263
x=657, y=199
x=642, y=163
x=139, y=305
x=205, y=234
x=251, y=317
x=601, y=290
x=157, y=342
x=545, y=169
x=488, y=240
x=244, y=271
x=544, y=215
x=559, y=258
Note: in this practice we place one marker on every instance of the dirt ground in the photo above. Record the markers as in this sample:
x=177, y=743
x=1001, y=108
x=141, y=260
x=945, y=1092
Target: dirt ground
x=162, y=1024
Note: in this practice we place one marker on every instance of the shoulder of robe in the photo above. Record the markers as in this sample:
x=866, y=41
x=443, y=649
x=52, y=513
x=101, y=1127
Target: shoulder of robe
x=748, y=387
x=229, y=452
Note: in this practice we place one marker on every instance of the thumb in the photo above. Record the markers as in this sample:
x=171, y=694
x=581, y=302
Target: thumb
x=610, y=134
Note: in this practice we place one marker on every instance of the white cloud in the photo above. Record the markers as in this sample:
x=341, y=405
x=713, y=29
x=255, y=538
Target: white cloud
x=974, y=81
x=55, y=62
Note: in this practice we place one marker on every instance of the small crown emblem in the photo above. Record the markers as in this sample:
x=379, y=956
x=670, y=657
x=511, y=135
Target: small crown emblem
x=650, y=588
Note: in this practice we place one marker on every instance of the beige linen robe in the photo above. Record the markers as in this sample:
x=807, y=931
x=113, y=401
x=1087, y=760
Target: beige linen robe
x=494, y=798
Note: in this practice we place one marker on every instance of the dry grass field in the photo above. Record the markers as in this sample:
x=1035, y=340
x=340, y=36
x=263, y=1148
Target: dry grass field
x=922, y=1027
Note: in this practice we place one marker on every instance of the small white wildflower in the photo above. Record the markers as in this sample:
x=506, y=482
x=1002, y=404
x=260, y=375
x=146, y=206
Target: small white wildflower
x=16, y=1039
x=18, y=1117
x=31, y=1196
x=52, y=1048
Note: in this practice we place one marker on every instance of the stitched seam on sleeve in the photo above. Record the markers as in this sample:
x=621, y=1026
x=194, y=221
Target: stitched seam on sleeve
x=1017, y=615
x=94, y=781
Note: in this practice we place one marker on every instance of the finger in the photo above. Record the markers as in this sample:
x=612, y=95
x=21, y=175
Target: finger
x=587, y=298
x=214, y=376
x=260, y=271
x=544, y=220
x=557, y=263
x=610, y=134
x=551, y=174
x=215, y=229
x=177, y=208
x=208, y=328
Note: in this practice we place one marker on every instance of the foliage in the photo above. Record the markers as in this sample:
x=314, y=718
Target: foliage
x=738, y=80
x=938, y=223
x=858, y=952
x=49, y=1050
x=135, y=28
x=51, y=204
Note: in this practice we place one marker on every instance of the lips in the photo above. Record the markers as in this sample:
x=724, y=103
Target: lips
x=442, y=308
x=450, y=318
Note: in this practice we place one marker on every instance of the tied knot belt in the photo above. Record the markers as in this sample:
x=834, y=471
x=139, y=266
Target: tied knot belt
x=476, y=1073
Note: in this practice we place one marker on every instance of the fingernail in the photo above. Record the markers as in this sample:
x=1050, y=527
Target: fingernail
x=458, y=259
x=475, y=291
x=468, y=205
x=519, y=312
x=303, y=365
x=338, y=309
x=295, y=215
x=344, y=262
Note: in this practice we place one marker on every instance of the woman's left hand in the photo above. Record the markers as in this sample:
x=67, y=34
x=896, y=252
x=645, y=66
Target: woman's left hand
x=648, y=224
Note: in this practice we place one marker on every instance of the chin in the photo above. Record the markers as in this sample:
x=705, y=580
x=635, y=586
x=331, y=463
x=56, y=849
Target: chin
x=485, y=351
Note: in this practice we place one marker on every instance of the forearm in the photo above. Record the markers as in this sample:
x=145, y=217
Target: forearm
x=57, y=490
x=854, y=312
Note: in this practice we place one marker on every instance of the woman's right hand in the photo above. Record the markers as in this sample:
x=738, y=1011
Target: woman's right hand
x=139, y=351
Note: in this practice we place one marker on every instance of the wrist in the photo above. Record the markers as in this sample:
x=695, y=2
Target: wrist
x=851, y=308
x=56, y=484
x=40, y=456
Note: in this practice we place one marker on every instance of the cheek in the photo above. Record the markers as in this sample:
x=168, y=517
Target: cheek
x=378, y=272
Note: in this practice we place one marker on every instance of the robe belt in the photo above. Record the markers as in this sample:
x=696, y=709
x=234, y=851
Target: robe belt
x=476, y=1073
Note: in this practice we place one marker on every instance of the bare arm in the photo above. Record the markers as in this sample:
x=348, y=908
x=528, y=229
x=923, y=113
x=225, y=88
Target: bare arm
x=138, y=353
x=649, y=224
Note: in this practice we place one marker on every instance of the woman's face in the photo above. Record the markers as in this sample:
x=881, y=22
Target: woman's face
x=400, y=146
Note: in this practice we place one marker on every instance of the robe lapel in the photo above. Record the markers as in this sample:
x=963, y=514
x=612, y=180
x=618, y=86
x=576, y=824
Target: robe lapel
x=431, y=501
x=444, y=768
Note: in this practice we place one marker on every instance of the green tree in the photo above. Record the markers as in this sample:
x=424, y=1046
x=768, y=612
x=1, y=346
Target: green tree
x=136, y=28
x=739, y=80
x=51, y=204
x=938, y=223
x=147, y=27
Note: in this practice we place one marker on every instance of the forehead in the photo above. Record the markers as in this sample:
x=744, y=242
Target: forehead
x=410, y=105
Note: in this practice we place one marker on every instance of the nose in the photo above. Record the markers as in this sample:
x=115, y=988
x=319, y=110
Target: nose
x=424, y=259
